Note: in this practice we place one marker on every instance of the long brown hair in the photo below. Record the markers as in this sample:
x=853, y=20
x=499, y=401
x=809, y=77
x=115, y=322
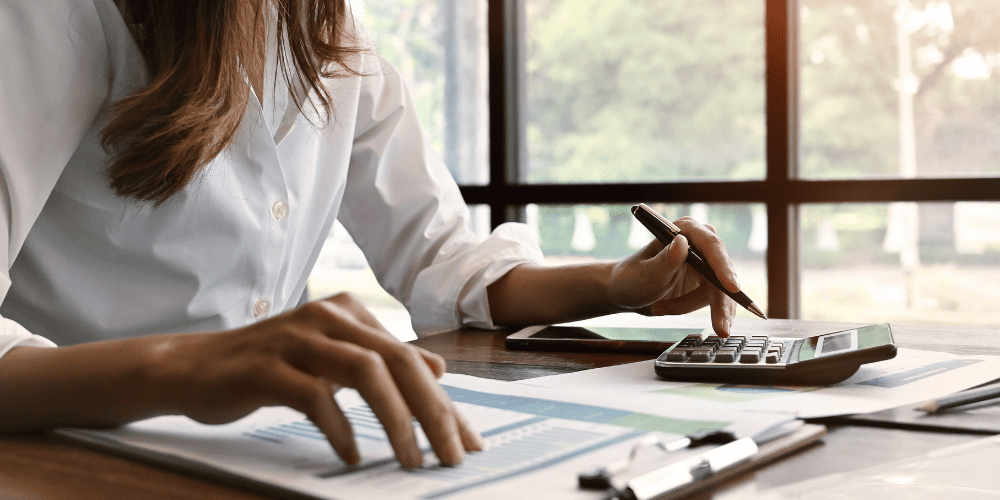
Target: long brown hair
x=195, y=53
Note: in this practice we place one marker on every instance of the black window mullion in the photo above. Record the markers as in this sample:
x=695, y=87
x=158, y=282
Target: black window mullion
x=780, y=116
x=505, y=20
x=788, y=193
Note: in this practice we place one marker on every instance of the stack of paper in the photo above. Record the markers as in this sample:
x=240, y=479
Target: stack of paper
x=537, y=440
x=911, y=377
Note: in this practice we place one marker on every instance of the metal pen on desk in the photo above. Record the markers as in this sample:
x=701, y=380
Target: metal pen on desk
x=962, y=398
x=665, y=231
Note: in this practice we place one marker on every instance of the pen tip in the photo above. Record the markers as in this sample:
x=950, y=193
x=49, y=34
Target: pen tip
x=756, y=310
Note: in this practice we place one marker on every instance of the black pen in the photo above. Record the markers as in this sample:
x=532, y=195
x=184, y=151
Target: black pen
x=665, y=231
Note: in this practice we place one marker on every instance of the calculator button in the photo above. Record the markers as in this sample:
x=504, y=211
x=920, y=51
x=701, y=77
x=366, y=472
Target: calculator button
x=690, y=341
x=702, y=355
x=726, y=356
x=772, y=357
x=679, y=356
x=750, y=357
x=733, y=344
x=713, y=341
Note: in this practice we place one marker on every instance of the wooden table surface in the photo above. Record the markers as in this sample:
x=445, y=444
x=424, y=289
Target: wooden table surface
x=40, y=467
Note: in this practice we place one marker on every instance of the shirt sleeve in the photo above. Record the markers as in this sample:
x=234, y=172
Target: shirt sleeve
x=53, y=80
x=405, y=211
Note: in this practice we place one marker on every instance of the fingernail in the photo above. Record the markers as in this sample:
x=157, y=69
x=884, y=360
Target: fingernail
x=457, y=451
x=478, y=443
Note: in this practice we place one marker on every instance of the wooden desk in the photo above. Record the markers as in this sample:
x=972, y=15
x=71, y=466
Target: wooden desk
x=38, y=467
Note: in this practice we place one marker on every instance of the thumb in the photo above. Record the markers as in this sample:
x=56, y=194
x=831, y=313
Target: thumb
x=673, y=255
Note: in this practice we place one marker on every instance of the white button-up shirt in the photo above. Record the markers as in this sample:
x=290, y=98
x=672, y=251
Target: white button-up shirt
x=237, y=244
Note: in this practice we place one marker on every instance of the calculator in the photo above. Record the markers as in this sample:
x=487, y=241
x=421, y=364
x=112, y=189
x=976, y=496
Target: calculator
x=760, y=359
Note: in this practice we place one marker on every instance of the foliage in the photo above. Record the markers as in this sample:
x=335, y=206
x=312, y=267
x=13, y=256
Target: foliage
x=644, y=90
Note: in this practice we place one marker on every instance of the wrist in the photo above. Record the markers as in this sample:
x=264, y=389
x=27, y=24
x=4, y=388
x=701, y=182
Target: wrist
x=612, y=288
x=158, y=372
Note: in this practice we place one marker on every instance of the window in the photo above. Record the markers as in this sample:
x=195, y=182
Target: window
x=849, y=151
x=439, y=46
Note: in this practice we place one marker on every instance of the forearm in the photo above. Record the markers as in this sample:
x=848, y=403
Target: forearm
x=98, y=384
x=533, y=294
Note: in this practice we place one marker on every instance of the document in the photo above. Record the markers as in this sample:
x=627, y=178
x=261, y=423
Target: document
x=966, y=471
x=911, y=377
x=537, y=441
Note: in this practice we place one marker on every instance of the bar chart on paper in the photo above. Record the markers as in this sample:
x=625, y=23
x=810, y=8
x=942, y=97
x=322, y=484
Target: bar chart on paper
x=521, y=435
x=280, y=448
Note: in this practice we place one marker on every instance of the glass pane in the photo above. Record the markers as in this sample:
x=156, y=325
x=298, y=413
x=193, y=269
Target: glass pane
x=640, y=90
x=587, y=232
x=901, y=262
x=341, y=267
x=902, y=88
x=439, y=46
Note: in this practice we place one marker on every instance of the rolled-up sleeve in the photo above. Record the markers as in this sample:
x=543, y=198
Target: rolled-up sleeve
x=53, y=80
x=405, y=211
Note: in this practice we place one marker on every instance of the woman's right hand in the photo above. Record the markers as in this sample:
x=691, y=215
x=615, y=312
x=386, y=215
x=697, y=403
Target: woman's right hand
x=299, y=359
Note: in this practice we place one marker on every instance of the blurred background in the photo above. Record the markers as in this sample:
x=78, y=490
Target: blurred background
x=634, y=91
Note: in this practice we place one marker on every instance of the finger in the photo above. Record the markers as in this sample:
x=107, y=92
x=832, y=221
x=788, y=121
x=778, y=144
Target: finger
x=357, y=310
x=651, y=250
x=470, y=438
x=713, y=249
x=675, y=253
x=430, y=404
x=314, y=397
x=351, y=365
x=365, y=316
x=723, y=311
x=434, y=361
x=415, y=380
x=658, y=271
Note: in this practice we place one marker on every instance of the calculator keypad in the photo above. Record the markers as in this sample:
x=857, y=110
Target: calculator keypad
x=735, y=349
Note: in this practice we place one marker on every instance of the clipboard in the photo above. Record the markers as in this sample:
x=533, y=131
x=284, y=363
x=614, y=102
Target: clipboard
x=661, y=477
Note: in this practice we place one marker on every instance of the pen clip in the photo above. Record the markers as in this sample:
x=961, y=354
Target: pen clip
x=653, y=213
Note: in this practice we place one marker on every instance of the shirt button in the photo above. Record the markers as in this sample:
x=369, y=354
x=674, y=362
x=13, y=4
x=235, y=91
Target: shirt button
x=279, y=209
x=261, y=307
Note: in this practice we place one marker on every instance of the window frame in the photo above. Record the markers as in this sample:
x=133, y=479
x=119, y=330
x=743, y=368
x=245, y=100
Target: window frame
x=781, y=191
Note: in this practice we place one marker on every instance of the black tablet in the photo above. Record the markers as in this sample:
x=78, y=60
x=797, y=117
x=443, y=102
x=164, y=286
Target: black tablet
x=598, y=339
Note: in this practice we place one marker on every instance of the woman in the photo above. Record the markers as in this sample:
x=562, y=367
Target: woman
x=170, y=172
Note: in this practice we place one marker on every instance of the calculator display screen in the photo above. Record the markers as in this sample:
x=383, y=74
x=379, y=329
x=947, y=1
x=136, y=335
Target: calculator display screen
x=838, y=342
x=865, y=337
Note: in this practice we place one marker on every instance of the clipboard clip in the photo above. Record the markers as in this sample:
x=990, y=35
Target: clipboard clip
x=601, y=477
x=673, y=476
